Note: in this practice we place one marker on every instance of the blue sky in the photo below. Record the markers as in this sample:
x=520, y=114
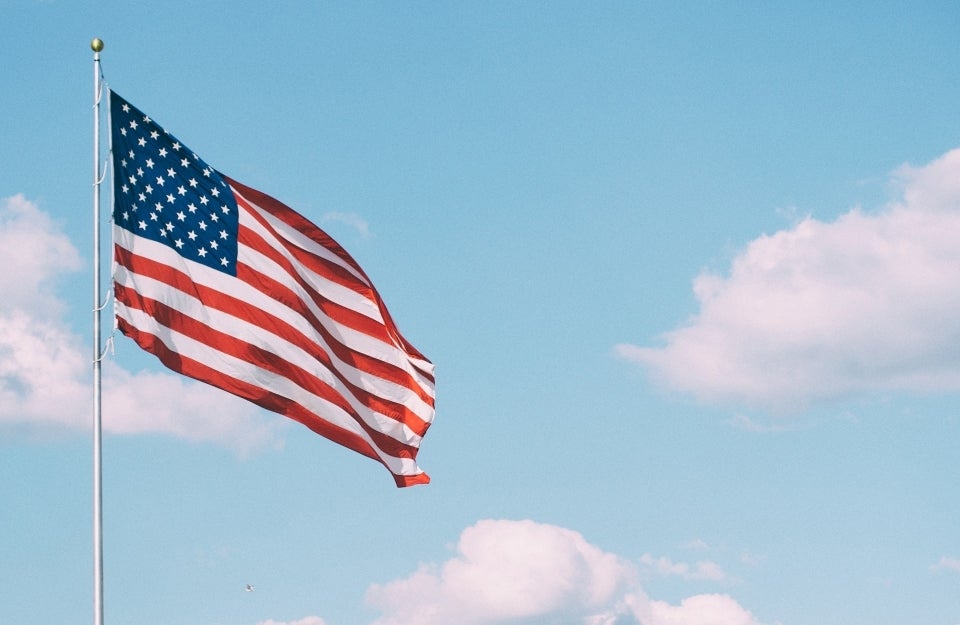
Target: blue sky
x=688, y=273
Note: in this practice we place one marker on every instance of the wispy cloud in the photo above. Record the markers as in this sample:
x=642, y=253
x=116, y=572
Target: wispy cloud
x=45, y=369
x=697, y=544
x=510, y=571
x=701, y=570
x=947, y=564
x=353, y=220
x=748, y=424
x=826, y=310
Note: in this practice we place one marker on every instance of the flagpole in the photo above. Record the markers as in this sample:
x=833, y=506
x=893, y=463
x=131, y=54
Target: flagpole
x=97, y=45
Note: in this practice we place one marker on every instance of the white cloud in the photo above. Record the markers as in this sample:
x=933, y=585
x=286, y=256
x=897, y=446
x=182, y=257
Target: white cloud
x=947, y=564
x=826, y=310
x=747, y=424
x=351, y=219
x=522, y=571
x=43, y=376
x=309, y=620
x=148, y=402
x=33, y=253
x=697, y=544
x=709, y=609
x=702, y=570
x=46, y=373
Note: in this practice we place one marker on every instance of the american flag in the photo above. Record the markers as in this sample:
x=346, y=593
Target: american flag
x=231, y=287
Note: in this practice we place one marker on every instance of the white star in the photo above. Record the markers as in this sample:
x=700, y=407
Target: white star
x=223, y=234
x=178, y=243
x=182, y=190
x=170, y=198
x=125, y=107
x=154, y=135
x=191, y=235
x=150, y=163
x=181, y=216
x=143, y=225
x=204, y=200
x=162, y=152
x=176, y=146
x=148, y=189
x=203, y=225
x=225, y=262
x=160, y=180
x=202, y=252
x=141, y=142
x=133, y=124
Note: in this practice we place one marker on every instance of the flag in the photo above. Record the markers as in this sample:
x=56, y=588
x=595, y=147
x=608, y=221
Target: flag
x=229, y=286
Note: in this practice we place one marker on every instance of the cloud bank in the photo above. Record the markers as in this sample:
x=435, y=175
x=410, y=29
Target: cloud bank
x=45, y=370
x=828, y=310
x=507, y=572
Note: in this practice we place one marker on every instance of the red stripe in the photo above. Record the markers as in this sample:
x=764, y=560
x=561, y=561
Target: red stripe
x=341, y=314
x=293, y=219
x=259, y=357
x=325, y=267
x=263, y=398
x=386, y=370
x=257, y=316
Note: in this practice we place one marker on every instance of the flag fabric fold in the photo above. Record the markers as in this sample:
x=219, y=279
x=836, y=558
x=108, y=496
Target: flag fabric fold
x=231, y=287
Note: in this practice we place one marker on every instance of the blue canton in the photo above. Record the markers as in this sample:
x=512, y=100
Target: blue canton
x=166, y=193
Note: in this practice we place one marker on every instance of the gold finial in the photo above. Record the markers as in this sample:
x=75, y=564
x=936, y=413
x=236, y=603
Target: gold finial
x=97, y=44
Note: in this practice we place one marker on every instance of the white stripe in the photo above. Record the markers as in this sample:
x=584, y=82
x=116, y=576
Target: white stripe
x=331, y=290
x=216, y=280
x=256, y=335
x=261, y=378
x=355, y=340
x=299, y=239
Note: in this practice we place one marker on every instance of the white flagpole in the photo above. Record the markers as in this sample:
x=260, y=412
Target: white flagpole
x=97, y=45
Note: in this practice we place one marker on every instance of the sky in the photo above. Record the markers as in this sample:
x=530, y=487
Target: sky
x=689, y=274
